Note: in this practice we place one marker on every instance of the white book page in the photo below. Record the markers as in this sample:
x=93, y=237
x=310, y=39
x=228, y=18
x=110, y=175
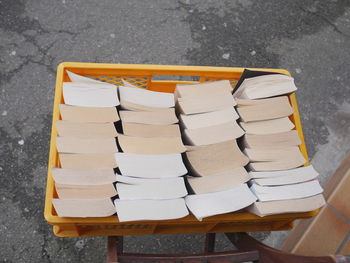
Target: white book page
x=284, y=192
x=150, y=165
x=222, y=202
x=146, y=97
x=286, y=179
x=295, y=172
x=78, y=78
x=90, y=94
x=150, y=209
x=267, y=86
x=157, y=189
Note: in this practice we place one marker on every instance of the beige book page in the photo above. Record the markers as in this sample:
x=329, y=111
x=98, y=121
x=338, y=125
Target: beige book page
x=277, y=140
x=83, y=177
x=275, y=110
x=268, y=88
x=88, y=114
x=213, y=134
x=201, y=120
x=87, y=161
x=155, y=145
x=86, y=130
x=91, y=145
x=268, y=126
x=146, y=130
x=126, y=105
x=215, y=183
x=165, y=117
x=66, y=191
x=270, y=155
x=281, y=164
x=217, y=158
x=287, y=206
x=201, y=104
x=269, y=101
x=204, y=88
x=84, y=207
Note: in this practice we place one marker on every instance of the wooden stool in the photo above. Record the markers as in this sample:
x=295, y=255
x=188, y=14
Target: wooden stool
x=249, y=250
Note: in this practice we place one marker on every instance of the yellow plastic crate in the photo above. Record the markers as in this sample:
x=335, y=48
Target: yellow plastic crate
x=143, y=77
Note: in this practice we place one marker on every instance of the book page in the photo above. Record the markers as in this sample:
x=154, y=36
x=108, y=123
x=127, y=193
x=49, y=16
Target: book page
x=151, y=166
x=134, y=210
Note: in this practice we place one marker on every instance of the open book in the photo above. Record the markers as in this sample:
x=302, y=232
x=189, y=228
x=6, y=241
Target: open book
x=83, y=177
x=287, y=206
x=291, y=176
x=201, y=104
x=217, y=159
x=87, y=160
x=275, y=140
x=78, y=78
x=203, y=89
x=274, y=159
x=143, y=97
x=265, y=86
x=134, y=210
x=151, y=145
x=268, y=126
x=145, y=130
x=226, y=201
x=265, y=109
x=88, y=114
x=83, y=145
x=151, y=166
x=90, y=94
x=169, y=188
x=86, y=129
x=285, y=192
x=100, y=207
x=216, y=183
x=213, y=134
x=208, y=119
x=77, y=191
x=165, y=117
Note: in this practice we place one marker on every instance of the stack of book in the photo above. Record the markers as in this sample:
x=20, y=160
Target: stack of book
x=142, y=153
x=87, y=144
x=150, y=185
x=271, y=144
x=216, y=165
